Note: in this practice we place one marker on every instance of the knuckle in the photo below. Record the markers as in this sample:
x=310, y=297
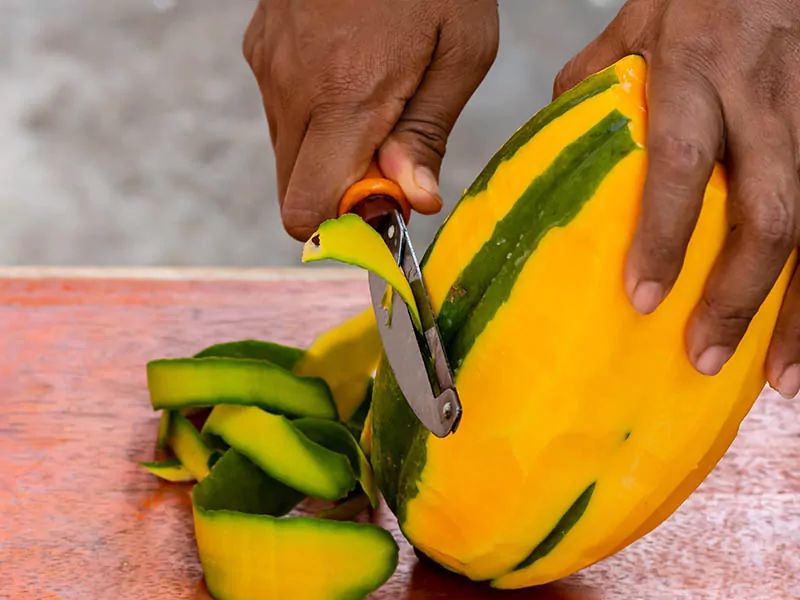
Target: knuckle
x=730, y=317
x=684, y=47
x=348, y=87
x=788, y=329
x=680, y=154
x=664, y=253
x=690, y=54
x=772, y=217
x=251, y=33
x=473, y=36
x=253, y=41
x=788, y=333
x=333, y=113
x=565, y=78
x=253, y=50
x=631, y=21
x=281, y=69
x=431, y=131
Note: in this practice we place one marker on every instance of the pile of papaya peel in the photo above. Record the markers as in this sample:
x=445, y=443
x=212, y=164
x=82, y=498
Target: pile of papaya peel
x=261, y=428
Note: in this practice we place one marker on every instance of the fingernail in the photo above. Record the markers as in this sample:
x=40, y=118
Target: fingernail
x=789, y=382
x=647, y=296
x=425, y=179
x=711, y=361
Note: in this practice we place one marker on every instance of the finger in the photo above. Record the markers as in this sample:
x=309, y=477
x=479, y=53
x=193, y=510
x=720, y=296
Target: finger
x=272, y=67
x=684, y=129
x=256, y=52
x=288, y=128
x=602, y=52
x=336, y=150
x=412, y=154
x=764, y=194
x=253, y=38
x=628, y=33
x=783, y=358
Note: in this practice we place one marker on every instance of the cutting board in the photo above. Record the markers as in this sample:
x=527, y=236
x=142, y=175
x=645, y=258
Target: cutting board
x=80, y=520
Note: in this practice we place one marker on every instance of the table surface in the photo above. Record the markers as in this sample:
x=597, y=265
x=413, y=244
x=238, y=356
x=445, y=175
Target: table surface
x=80, y=520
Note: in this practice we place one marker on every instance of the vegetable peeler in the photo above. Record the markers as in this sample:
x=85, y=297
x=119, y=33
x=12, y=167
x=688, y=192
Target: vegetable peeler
x=418, y=360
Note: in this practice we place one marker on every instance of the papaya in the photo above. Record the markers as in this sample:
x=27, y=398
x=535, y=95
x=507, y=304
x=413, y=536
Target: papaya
x=585, y=425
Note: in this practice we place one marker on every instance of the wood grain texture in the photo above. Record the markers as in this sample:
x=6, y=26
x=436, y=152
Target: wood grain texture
x=80, y=520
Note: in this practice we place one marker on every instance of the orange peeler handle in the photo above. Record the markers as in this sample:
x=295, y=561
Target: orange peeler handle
x=374, y=196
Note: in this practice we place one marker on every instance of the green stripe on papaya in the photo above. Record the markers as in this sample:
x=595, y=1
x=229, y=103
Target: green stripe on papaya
x=590, y=87
x=560, y=531
x=400, y=430
x=552, y=200
x=583, y=91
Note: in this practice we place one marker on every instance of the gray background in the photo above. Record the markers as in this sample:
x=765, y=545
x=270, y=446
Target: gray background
x=132, y=131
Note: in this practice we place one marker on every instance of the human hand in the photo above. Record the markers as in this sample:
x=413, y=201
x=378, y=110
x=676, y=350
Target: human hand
x=724, y=82
x=343, y=80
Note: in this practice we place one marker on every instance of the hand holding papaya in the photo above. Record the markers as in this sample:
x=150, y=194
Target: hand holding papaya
x=723, y=83
x=342, y=80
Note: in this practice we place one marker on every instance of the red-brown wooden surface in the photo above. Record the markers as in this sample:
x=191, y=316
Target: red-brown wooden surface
x=80, y=520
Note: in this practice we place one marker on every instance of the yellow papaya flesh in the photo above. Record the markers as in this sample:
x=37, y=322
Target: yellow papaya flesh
x=585, y=425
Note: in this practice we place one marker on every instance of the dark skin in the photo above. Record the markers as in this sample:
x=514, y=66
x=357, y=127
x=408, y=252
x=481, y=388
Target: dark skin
x=344, y=80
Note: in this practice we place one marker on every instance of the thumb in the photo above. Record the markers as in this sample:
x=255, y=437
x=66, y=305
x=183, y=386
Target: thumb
x=602, y=52
x=412, y=154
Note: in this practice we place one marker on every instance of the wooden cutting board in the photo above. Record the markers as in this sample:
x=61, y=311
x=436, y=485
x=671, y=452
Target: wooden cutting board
x=80, y=520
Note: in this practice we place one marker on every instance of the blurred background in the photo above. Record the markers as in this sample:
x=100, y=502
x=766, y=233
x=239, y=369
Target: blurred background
x=132, y=131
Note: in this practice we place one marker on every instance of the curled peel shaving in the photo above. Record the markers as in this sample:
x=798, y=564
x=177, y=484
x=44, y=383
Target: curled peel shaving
x=350, y=240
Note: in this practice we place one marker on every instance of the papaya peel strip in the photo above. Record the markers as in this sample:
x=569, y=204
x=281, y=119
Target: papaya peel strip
x=278, y=447
x=246, y=549
x=170, y=469
x=350, y=240
x=223, y=514
x=337, y=437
